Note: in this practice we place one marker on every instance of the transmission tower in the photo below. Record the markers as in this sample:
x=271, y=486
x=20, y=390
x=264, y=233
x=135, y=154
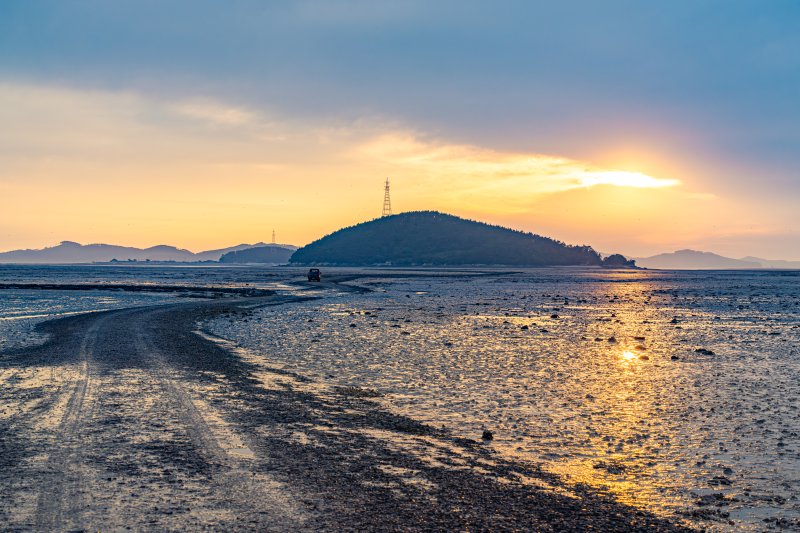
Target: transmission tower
x=273, y=236
x=387, y=203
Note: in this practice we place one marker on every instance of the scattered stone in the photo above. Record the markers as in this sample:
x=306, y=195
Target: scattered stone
x=358, y=392
x=703, y=351
x=720, y=480
x=612, y=339
x=487, y=435
x=553, y=316
x=612, y=467
x=716, y=498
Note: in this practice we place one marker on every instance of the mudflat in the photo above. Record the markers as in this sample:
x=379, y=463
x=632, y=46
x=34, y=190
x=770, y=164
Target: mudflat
x=132, y=419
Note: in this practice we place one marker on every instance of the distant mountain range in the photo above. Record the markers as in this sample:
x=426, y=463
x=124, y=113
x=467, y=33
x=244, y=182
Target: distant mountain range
x=407, y=239
x=72, y=252
x=695, y=260
x=432, y=238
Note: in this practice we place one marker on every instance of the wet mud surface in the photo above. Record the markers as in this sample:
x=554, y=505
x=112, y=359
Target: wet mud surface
x=132, y=419
x=674, y=392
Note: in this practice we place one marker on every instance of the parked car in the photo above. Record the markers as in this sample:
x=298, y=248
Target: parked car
x=314, y=275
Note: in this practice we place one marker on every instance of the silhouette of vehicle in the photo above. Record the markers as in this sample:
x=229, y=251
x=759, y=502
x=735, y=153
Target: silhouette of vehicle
x=314, y=275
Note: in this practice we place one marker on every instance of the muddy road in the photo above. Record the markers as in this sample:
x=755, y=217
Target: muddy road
x=131, y=419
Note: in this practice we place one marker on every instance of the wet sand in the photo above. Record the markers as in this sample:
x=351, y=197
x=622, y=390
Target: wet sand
x=131, y=419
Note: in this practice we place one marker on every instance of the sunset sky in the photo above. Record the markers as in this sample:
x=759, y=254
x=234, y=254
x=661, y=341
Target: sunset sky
x=632, y=126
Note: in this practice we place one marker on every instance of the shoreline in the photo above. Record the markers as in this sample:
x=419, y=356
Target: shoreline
x=323, y=460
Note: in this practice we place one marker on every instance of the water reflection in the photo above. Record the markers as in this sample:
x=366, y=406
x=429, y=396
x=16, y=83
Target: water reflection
x=595, y=376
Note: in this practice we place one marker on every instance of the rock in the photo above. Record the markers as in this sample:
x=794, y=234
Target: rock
x=487, y=435
x=704, y=351
x=553, y=316
x=716, y=498
x=719, y=480
x=644, y=358
x=524, y=327
x=612, y=339
x=612, y=467
x=675, y=358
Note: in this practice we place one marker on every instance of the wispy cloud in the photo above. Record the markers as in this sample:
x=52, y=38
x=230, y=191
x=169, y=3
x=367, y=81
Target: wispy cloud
x=216, y=112
x=481, y=171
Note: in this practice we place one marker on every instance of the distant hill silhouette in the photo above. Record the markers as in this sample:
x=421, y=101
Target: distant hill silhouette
x=695, y=260
x=72, y=252
x=774, y=263
x=270, y=253
x=432, y=238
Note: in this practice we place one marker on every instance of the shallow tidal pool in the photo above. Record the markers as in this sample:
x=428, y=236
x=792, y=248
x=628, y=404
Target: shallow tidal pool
x=675, y=392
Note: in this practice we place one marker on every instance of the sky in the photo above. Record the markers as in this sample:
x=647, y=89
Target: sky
x=632, y=126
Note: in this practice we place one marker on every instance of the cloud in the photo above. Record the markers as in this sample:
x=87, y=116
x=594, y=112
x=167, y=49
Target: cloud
x=216, y=112
x=204, y=172
x=484, y=174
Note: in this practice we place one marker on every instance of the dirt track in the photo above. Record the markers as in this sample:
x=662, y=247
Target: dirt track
x=129, y=419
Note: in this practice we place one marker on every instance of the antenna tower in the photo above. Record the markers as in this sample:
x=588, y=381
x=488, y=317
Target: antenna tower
x=387, y=203
x=273, y=236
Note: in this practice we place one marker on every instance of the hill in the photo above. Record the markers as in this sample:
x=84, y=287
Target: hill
x=432, y=238
x=72, y=252
x=216, y=255
x=774, y=263
x=695, y=260
x=270, y=253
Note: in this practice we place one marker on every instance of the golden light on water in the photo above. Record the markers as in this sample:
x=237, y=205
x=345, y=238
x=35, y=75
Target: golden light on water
x=628, y=356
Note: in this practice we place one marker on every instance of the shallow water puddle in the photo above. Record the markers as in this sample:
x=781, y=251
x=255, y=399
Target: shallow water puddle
x=606, y=386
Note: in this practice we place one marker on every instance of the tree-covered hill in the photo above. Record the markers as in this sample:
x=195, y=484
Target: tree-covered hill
x=270, y=253
x=432, y=238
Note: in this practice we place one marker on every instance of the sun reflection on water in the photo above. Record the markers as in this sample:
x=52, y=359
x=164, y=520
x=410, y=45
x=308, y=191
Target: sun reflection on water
x=601, y=382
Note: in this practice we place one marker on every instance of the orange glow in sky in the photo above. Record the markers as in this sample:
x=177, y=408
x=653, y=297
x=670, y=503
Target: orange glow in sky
x=121, y=168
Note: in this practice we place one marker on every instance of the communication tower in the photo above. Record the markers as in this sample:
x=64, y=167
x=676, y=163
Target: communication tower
x=273, y=236
x=387, y=203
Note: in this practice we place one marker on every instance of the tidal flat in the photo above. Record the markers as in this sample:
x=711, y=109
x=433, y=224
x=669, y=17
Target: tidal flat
x=675, y=392
x=616, y=400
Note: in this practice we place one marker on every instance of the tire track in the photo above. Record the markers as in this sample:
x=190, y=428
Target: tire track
x=63, y=478
x=235, y=483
